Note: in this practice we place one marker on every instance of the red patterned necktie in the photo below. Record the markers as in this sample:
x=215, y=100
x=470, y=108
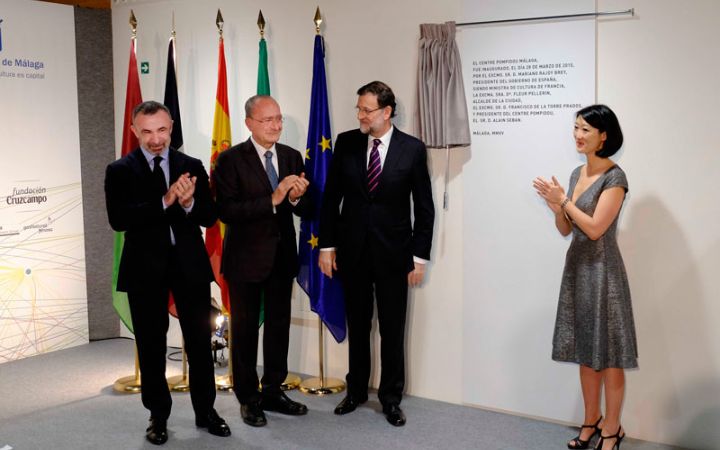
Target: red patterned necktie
x=373, y=173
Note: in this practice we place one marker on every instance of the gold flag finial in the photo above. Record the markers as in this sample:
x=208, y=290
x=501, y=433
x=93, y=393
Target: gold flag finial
x=133, y=23
x=219, y=22
x=261, y=24
x=317, y=20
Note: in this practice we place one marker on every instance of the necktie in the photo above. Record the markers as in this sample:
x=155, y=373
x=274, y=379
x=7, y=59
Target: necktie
x=270, y=169
x=159, y=176
x=373, y=173
x=161, y=186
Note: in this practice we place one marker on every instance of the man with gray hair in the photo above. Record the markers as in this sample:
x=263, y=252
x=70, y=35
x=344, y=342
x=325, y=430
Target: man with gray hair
x=259, y=186
x=160, y=198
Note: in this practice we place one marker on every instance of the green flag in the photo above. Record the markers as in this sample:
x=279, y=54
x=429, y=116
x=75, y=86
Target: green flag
x=120, y=300
x=263, y=88
x=263, y=80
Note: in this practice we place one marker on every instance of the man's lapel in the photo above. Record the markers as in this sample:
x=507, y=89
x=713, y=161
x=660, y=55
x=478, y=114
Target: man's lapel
x=361, y=161
x=393, y=154
x=249, y=154
x=175, y=164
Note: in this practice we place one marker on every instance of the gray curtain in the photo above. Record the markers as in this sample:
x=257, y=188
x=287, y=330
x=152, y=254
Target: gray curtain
x=441, y=114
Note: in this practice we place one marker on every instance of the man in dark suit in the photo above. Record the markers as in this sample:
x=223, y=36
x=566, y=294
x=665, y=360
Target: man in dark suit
x=372, y=241
x=259, y=185
x=164, y=252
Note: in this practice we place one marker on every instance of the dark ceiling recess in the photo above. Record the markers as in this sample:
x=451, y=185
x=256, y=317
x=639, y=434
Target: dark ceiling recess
x=97, y=4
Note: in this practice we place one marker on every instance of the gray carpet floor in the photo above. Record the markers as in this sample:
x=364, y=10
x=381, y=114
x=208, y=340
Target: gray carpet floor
x=64, y=400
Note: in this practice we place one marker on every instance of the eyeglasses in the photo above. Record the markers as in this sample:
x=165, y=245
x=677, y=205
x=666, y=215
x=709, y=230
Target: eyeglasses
x=269, y=120
x=366, y=111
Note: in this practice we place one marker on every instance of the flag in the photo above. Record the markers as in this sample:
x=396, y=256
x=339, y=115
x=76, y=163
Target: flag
x=220, y=142
x=176, y=139
x=171, y=98
x=325, y=293
x=133, y=97
x=263, y=88
x=263, y=79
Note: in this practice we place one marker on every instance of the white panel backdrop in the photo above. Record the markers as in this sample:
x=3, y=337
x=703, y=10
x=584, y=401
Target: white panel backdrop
x=524, y=81
x=43, y=299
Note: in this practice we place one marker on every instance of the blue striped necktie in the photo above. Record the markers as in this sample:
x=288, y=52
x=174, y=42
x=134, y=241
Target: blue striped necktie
x=270, y=169
x=373, y=174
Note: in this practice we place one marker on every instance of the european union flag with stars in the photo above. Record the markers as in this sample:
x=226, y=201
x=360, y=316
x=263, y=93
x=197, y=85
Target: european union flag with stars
x=326, y=297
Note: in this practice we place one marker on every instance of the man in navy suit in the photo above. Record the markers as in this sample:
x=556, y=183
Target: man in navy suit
x=160, y=198
x=372, y=241
x=259, y=186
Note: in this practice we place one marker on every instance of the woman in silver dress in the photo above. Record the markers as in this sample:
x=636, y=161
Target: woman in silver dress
x=594, y=326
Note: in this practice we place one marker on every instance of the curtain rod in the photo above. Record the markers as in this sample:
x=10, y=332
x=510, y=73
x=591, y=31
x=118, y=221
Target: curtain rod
x=630, y=11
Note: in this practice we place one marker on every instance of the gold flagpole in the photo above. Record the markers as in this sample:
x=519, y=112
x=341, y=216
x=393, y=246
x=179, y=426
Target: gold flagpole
x=225, y=382
x=292, y=381
x=180, y=383
x=131, y=384
x=321, y=385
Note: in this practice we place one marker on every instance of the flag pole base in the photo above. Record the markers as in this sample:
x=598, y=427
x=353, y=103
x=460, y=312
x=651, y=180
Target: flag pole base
x=128, y=385
x=224, y=383
x=291, y=382
x=317, y=386
x=179, y=383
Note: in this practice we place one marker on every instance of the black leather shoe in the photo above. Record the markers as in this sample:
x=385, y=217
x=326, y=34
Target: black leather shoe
x=156, y=433
x=282, y=404
x=214, y=423
x=348, y=405
x=394, y=415
x=253, y=415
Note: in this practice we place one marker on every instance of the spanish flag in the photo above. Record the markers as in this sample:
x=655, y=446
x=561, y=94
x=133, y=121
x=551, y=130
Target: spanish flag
x=220, y=142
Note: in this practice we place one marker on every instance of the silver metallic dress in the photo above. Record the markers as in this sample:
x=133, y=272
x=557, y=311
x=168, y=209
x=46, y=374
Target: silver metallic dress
x=594, y=325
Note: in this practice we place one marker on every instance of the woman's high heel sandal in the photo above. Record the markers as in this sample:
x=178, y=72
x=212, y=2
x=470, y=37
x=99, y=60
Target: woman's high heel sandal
x=615, y=436
x=576, y=442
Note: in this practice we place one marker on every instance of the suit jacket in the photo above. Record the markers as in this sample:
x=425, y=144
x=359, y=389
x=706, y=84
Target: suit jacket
x=254, y=235
x=383, y=219
x=134, y=207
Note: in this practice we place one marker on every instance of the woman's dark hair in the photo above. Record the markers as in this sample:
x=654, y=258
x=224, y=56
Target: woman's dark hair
x=602, y=118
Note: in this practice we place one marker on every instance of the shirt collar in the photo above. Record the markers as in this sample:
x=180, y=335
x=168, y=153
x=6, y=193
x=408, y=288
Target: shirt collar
x=261, y=150
x=384, y=139
x=149, y=156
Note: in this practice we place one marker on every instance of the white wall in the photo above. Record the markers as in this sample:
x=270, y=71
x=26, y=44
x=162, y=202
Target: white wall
x=43, y=295
x=653, y=70
x=656, y=70
x=513, y=254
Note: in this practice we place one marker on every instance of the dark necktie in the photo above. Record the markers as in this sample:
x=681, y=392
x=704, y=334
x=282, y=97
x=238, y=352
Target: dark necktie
x=159, y=176
x=270, y=169
x=373, y=173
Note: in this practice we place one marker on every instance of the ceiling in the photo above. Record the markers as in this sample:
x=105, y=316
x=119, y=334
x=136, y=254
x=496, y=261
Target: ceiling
x=98, y=4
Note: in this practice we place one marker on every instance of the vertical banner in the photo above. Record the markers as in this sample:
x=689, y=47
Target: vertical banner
x=524, y=82
x=326, y=295
x=43, y=296
x=221, y=138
